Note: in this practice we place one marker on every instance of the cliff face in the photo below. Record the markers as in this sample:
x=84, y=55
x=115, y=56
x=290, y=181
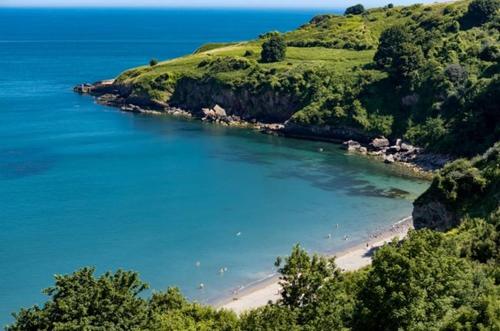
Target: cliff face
x=267, y=105
x=464, y=188
x=434, y=215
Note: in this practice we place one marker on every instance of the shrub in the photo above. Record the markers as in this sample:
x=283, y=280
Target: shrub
x=269, y=35
x=480, y=11
x=490, y=52
x=225, y=64
x=390, y=6
x=455, y=73
x=153, y=62
x=248, y=53
x=355, y=10
x=273, y=49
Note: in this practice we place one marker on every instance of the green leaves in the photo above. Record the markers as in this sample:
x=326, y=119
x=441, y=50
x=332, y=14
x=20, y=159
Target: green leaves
x=273, y=49
x=302, y=276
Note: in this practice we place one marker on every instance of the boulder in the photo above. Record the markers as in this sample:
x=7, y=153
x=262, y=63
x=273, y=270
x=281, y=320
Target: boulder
x=219, y=111
x=434, y=215
x=393, y=149
x=351, y=145
x=379, y=143
x=407, y=147
x=389, y=158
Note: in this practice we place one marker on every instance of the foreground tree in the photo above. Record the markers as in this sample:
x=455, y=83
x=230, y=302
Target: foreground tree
x=273, y=49
x=424, y=285
x=302, y=276
x=80, y=301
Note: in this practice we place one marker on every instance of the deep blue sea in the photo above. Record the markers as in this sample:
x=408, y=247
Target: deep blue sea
x=86, y=185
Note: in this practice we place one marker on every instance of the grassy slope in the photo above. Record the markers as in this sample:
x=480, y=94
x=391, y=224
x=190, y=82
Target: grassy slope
x=329, y=77
x=365, y=29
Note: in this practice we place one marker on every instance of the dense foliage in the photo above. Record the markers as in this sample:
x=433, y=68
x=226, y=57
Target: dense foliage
x=273, y=49
x=434, y=79
x=468, y=188
x=355, y=10
x=428, y=281
x=425, y=73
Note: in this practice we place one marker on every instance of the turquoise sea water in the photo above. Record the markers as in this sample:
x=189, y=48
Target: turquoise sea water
x=82, y=184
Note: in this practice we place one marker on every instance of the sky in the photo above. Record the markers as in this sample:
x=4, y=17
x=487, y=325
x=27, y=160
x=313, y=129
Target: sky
x=203, y=3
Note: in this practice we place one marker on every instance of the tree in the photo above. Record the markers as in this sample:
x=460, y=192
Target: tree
x=455, y=73
x=273, y=49
x=422, y=284
x=390, y=42
x=399, y=55
x=153, y=62
x=302, y=276
x=481, y=11
x=270, y=317
x=355, y=10
x=80, y=301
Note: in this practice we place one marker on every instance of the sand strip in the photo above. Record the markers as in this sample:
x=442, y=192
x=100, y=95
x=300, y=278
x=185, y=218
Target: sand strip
x=352, y=259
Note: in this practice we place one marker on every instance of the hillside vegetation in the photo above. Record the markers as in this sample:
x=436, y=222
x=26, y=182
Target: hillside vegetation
x=425, y=73
x=428, y=281
x=429, y=73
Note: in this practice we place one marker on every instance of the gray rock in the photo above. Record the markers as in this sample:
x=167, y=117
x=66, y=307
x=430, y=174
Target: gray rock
x=389, y=158
x=393, y=149
x=351, y=145
x=208, y=113
x=433, y=215
x=219, y=111
x=407, y=147
x=379, y=143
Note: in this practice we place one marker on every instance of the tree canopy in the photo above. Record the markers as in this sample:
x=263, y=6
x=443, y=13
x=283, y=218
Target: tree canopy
x=354, y=10
x=273, y=49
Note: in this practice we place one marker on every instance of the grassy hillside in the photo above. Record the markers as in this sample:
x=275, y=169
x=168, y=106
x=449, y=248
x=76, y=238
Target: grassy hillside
x=425, y=73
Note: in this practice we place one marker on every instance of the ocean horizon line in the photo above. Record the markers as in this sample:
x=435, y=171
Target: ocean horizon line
x=166, y=7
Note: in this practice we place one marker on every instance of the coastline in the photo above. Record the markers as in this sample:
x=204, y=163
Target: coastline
x=259, y=293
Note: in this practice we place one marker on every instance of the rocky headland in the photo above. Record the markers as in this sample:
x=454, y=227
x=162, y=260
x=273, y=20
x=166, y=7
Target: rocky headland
x=416, y=159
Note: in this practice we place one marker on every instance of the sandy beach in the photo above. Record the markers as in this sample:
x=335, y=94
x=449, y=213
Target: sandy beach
x=351, y=259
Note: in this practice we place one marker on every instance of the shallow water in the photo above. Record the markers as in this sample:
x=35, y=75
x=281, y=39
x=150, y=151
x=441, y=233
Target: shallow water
x=82, y=184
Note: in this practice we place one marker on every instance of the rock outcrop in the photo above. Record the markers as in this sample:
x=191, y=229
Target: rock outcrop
x=434, y=215
x=269, y=112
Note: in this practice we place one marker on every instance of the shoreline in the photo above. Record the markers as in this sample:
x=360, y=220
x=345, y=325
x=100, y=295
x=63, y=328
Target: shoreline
x=412, y=159
x=259, y=293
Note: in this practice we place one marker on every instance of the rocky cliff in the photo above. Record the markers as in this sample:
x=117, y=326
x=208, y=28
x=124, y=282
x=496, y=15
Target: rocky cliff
x=464, y=188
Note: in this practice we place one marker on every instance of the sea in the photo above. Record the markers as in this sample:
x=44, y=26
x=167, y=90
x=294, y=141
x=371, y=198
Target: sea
x=176, y=200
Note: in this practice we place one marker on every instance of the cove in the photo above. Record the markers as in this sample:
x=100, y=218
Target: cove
x=82, y=184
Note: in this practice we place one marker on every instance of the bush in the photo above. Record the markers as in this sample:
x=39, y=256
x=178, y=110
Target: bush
x=273, y=49
x=390, y=6
x=490, y=53
x=248, y=53
x=355, y=10
x=455, y=73
x=225, y=64
x=480, y=11
x=153, y=62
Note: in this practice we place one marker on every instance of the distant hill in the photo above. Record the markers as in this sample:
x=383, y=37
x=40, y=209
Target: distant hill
x=426, y=73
